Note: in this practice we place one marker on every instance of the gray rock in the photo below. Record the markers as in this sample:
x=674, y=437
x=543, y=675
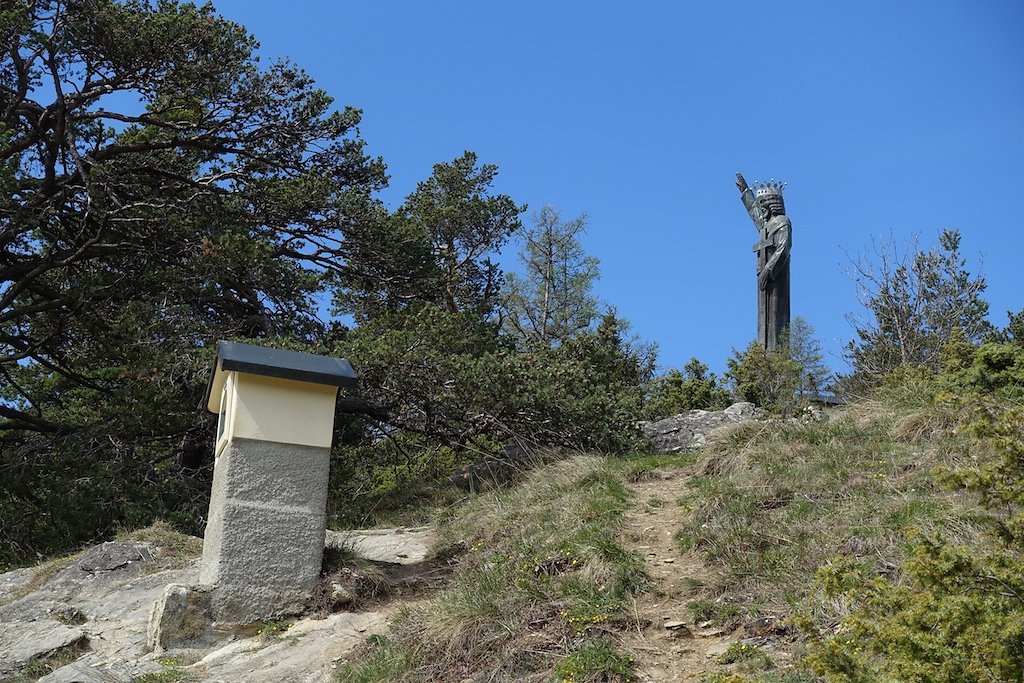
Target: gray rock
x=689, y=431
x=342, y=595
x=80, y=672
x=14, y=582
x=742, y=409
x=305, y=653
x=711, y=632
x=405, y=545
x=108, y=590
x=115, y=557
x=183, y=619
x=511, y=462
x=116, y=599
x=94, y=667
x=22, y=641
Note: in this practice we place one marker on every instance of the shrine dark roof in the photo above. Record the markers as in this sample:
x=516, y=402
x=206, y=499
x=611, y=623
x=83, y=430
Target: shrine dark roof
x=279, y=363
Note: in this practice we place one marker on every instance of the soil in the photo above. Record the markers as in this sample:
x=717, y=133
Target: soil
x=665, y=641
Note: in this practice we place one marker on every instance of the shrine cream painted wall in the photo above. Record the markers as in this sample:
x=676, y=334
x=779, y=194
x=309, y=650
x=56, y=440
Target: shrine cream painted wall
x=271, y=409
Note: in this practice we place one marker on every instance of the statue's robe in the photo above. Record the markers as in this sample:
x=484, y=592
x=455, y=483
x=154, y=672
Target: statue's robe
x=776, y=234
x=773, y=310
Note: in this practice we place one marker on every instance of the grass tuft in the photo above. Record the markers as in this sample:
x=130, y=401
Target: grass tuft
x=595, y=662
x=775, y=500
x=543, y=583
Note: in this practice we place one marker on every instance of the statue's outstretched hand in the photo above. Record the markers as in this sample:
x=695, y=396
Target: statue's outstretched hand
x=741, y=182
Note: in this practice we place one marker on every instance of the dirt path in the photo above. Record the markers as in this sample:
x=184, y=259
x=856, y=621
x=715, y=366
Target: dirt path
x=666, y=643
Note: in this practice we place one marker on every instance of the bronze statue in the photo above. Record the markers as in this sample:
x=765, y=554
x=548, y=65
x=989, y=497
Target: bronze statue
x=775, y=231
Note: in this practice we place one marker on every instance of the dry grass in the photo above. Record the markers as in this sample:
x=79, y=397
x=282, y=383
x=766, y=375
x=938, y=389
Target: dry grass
x=776, y=500
x=172, y=550
x=542, y=584
x=539, y=594
x=942, y=420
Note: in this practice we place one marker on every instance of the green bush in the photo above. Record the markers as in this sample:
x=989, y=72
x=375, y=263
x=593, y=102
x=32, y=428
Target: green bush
x=957, y=613
x=453, y=378
x=994, y=369
x=768, y=380
x=439, y=390
x=675, y=392
x=595, y=662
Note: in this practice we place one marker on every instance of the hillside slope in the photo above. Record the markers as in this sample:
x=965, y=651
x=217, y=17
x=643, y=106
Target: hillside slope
x=702, y=566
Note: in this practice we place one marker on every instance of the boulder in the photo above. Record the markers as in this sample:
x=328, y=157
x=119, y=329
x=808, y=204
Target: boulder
x=688, y=431
x=115, y=557
x=183, y=619
x=511, y=462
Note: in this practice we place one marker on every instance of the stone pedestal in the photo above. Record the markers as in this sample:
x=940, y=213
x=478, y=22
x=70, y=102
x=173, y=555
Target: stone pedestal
x=264, y=539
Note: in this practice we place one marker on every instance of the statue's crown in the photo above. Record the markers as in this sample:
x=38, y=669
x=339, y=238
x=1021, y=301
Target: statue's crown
x=769, y=194
x=769, y=188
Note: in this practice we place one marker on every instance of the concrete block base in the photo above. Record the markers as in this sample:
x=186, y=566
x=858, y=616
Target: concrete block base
x=264, y=537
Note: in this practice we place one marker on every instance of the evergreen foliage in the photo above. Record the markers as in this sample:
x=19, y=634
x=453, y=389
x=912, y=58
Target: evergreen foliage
x=437, y=248
x=162, y=190
x=464, y=226
x=1013, y=333
x=769, y=380
x=439, y=389
x=990, y=370
x=779, y=380
x=675, y=392
x=914, y=300
x=805, y=350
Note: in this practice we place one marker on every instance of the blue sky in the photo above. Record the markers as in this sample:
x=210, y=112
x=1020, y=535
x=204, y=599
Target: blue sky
x=901, y=117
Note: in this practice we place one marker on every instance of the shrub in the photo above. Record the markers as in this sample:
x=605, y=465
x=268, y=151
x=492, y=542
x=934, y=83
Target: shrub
x=958, y=612
x=769, y=380
x=675, y=392
x=992, y=369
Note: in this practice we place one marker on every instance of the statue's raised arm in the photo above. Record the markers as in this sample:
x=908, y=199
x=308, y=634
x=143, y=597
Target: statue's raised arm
x=750, y=201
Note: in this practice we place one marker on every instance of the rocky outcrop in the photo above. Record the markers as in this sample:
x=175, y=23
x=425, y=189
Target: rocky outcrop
x=99, y=603
x=97, y=607
x=688, y=431
x=402, y=545
x=23, y=641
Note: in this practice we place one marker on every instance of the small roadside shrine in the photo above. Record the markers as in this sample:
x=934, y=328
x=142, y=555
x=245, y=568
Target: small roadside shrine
x=264, y=538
